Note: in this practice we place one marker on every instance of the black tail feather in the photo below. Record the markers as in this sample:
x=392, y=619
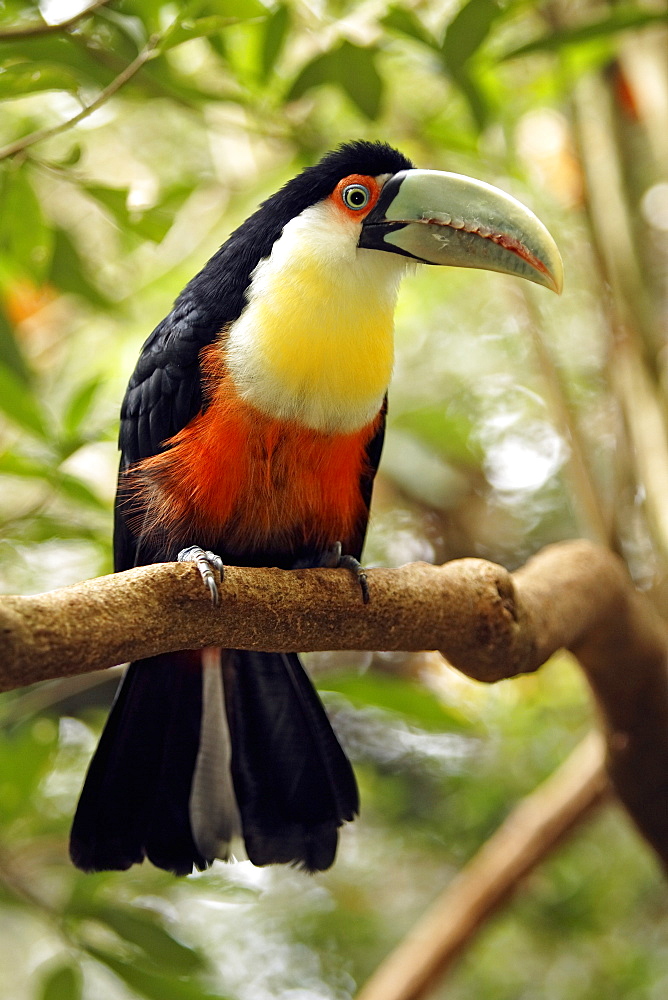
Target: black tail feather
x=294, y=784
x=134, y=801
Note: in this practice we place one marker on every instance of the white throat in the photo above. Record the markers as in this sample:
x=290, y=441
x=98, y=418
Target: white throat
x=314, y=344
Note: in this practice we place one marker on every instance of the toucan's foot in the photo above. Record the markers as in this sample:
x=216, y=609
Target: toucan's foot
x=208, y=563
x=337, y=560
x=355, y=566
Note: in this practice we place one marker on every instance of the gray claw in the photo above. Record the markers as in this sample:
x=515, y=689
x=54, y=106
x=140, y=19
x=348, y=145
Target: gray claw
x=217, y=563
x=206, y=563
x=213, y=590
x=354, y=565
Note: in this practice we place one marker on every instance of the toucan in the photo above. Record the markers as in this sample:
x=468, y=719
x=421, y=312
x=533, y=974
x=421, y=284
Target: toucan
x=251, y=431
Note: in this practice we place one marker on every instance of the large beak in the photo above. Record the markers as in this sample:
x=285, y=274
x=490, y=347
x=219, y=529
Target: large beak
x=443, y=218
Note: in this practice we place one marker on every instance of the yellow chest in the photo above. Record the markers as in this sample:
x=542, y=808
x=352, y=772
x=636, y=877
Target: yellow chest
x=315, y=342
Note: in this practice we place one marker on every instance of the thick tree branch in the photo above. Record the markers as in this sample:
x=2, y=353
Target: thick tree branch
x=488, y=623
x=464, y=607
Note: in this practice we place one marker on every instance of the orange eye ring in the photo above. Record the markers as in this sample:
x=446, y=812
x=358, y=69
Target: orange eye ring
x=356, y=195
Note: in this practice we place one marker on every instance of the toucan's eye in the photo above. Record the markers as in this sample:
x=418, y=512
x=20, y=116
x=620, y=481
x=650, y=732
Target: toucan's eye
x=356, y=196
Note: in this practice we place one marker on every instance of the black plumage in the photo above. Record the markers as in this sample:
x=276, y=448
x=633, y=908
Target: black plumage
x=293, y=784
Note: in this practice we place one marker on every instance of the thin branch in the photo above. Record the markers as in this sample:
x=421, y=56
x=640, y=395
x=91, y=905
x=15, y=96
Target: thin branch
x=35, y=30
x=147, y=53
x=532, y=830
x=594, y=522
x=644, y=417
x=49, y=696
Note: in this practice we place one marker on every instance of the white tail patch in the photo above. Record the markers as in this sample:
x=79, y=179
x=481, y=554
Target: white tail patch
x=214, y=816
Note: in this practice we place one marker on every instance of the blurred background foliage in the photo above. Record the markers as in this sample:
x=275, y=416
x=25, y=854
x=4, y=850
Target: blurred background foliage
x=134, y=139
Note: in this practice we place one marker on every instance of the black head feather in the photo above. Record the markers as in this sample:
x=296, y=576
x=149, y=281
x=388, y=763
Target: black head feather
x=317, y=182
x=223, y=281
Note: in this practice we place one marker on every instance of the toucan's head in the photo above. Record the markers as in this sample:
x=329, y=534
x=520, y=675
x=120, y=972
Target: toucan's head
x=311, y=278
x=429, y=216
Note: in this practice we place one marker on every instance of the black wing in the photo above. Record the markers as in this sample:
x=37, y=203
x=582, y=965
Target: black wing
x=164, y=394
x=354, y=545
x=165, y=391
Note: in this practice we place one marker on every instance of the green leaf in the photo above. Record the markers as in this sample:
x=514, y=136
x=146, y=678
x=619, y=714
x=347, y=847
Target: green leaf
x=144, y=929
x=619, y=19
x=200, y=27
x=448, y=431
x=73, y=157
x=11, y=355
x=25, y=238
x=244, y=10
x=12, y=464
x=58, y=50
x=20, y=13
x=129, y=25
x=151, y=985
x=407, y=23
x=20, y=405
x=154, y=223
x=467, y=31
x=75, y=489
x=151, y=224
x=68, y=271
x=351, y=68
x=79, y=405
x=25, y=757
x=475, y=97
x=115, y=200
x=414, y=702
x=275, y=33
x=219, y=44
x=45, y=528
x=464, y=36
x=63, y=983
x=150, y=12
x=20, y=79
x=161, y=76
